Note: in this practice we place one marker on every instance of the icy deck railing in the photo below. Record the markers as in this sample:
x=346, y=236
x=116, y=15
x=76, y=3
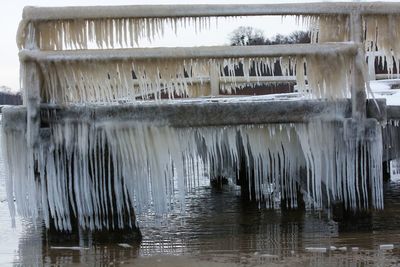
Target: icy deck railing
x=72, y=28
x=63, y=77
x=59, y=28
x=106, y=75
x=140, y=158
x=107, y=26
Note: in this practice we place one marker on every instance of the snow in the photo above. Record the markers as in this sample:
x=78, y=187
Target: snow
x=383, y=89
x=7, y=90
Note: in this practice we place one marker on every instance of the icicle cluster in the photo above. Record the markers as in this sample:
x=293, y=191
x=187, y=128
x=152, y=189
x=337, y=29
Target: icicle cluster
x=19, y=167
x=391, y=139
x=327, y=28
x=323, y=81
x=109, y=33
x=382, y=40
x=103, y=33
x=100, y=81
x=97, y=173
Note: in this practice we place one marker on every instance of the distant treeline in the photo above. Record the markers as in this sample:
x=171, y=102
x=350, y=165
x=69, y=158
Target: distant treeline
x=246, y=35
x=10, y=99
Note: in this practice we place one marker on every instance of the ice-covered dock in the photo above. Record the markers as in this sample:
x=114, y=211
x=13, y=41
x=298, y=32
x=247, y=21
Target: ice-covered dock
x=109, y=129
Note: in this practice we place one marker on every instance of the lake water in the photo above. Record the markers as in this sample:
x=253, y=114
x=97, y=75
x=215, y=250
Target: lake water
x=217, y=229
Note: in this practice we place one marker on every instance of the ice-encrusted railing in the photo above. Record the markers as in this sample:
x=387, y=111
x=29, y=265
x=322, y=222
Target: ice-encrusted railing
x=96, y=167
x=71, y=28
x=95, y=76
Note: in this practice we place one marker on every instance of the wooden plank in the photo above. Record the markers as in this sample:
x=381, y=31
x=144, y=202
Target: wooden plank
x=162, y=11
x=358, y=95
x=214, y=80
x=209, y=113
x=200, y=113
x=188, y=52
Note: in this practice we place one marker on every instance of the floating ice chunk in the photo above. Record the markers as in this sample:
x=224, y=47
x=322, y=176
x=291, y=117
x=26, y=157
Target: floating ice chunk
x=316, y=249
x=332, y=248
x=386, y=246
x=342, y=248
x=69, y=248
x=124, y=245
x=268, y=256
x=355, y=249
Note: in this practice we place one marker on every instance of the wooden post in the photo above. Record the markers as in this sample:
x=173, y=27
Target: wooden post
x=32, y=83
x=358, y=95
x=214, y=80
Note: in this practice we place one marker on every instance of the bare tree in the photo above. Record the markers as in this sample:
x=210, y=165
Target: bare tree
x=300, y=37
x=252, y=36
x=247, y=36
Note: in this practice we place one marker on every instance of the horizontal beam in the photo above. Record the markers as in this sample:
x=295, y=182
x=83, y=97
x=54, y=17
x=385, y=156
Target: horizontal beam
x=202, y=113
x=198, y=113
x=238, y=79
x=261, y=79
x=161, y=11
x=188, y=52
x=393, y=112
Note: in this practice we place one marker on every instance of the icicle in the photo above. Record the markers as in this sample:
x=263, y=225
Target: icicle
x=80, y=81
x=300, y=74
x=328, y=28
x=107, y=169
x=382, y=38
x=324, y=83
x=102, y=33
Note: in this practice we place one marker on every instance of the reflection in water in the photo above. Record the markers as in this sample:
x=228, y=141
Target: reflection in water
x=218, y=228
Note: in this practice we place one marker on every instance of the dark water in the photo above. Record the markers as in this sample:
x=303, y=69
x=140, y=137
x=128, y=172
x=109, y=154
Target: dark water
x=218, y=229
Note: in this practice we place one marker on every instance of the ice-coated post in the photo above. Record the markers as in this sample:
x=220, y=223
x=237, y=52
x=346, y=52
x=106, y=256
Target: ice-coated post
x=214, y=80
x=31, y=83
x=358, y=95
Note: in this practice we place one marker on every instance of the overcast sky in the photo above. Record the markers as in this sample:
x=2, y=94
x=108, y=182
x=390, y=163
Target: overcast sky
x=10, y=15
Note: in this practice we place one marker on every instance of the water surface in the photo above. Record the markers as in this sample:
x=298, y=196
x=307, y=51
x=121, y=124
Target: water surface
x=218, y=229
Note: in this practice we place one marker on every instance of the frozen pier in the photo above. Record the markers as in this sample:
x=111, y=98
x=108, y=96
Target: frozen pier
x=110, y=129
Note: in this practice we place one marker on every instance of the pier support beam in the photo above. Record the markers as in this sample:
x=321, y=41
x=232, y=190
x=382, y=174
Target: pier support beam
x=32, y=101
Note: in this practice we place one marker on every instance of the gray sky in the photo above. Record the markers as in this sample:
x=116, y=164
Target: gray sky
x=11, y=11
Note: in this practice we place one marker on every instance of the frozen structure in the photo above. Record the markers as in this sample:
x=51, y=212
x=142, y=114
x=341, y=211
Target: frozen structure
x=96, y=142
